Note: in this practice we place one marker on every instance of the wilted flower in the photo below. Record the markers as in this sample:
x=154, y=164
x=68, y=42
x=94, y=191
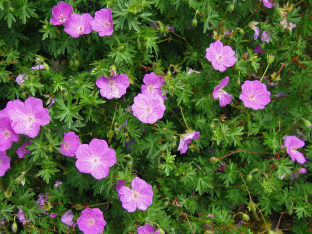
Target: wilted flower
x=148, y=108
x=21, y=217
x=255, y=95
x=4, y=163
x=170, y=28
x=220, y=56
x=91, y=221
x=57, y=183
x=139, y=197
x=190, y=71
x=257, y=32
x=61, y=13
x=293, y=143
x=95, y=158
x=78, y=25
x=67, y=219
x=28, y=117
x=259, y=50
x=265, y=36
x=20, y=79
x=103, y=22
x=113, y=87
x=121, y=126
x=70, y=144
x=53, y=215
x=280, y=95
x=21, y=151
x=186, y=140
x=219, y=93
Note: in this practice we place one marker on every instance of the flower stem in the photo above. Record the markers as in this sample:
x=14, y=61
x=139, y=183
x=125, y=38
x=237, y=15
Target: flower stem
x=184, y=117
x=264, y=72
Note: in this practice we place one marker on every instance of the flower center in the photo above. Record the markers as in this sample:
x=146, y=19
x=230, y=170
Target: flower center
x=106, y=24
x=293, y=149
x=219, y=58
x=91, y=221
x=136, y=195
x=252, y=97
x=66, y=145
x=7, y=134
x=111, y=83
x=95, y=160
x=80, y=29
x=149, y=110
x=150, y=88
x=220, y=92
x=30, y=121
x=62, y=18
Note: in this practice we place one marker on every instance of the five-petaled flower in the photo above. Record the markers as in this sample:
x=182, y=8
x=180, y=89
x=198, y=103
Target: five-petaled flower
x=255, y=95
x=91, y=221
x=219, y=93
x=78, y=25
x=139, y=197
x=186, y=139
x=103, y=22
x=147, y=229
x=293, y=143
x=70, y=144
x=268, y=3
x=95, y=158
x=113, y=87
x=153, y=84
x=220, y=56
x=61, y=13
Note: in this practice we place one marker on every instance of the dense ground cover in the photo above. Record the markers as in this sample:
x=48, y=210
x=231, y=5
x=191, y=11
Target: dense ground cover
x=160, y=116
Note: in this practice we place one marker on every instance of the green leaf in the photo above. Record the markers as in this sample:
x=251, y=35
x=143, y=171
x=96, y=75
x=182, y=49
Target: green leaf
x=47, y=173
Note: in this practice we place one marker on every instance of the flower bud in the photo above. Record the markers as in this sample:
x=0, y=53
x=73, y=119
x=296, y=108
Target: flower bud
x=8, y=192
x=252, y=206
x=160, y=231
x=169, y=73
x=270, y=58
x=78, y=207
x=113, y=69
x=24, y=95
x=14, y=226
x=46, y=66
x=246, y=217
x=307, y=123
x=249, y=177
x=194, y=22
x=231, y=8
x=192, y=147
x=213, y=159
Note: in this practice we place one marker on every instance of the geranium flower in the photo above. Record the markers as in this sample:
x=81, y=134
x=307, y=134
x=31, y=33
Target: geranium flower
x=103, y=22
x=91, y=221
x=7, y=134
x=67, y=219
x=61, y=13
x=220, y=56
x=148, y=109
x=255, y=95
x=113, y=87
x=20, y=79
x=70, y=144
x=293, y=143
x=28, y=117
x=78, y=25
x=268, y=3
x=147, y=229
x=259, y=50
x=140, y=196
x=95, y=158
x=4, y=163
x=21, y=151
x=119, y=185
x=153, y=85
x=265, y=36
x=186, y=140
x=219, y=93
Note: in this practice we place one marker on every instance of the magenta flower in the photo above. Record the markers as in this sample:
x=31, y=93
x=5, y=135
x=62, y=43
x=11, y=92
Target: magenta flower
x=20, y=79
x=7, y=134
x=4, y=163
x=255, y=95
x=28, y=117
x=53, y=215
x=219, y=93
x=268, y=3
x=186, y=140
x=91, y=221
x=113, y=87
x=147, y=229
x=293, y=143
x=220, y=56
x=70, y=144
x=95, y=158
x=153, y=85
x=140, y=196
x=119, y=185
x=302, y=170
x=265, y=36
x=21, y=151
x=103, y=22
x=259, y=50
x=61, y=13
x=67, y=219
x=78, y=25
x=148, y=109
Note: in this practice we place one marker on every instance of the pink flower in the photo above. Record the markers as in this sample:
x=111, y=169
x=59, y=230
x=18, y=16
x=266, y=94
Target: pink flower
x=302, y=170
x=61, y=13
x=148, y=109
x=140, y=196
x=103, y=22
x=147, y=229
x=78, y=25
x=28, y=117
x=70, y=144
x=91, y=221
x=21, y=151
x=268, y=3
x=7, y=134
x=4, y=163
x=293, y=143
x=265, y=36
x=53, y=215
x=119, y=185
x=153, y=85
x=219, y=93
x=220, y=56
x=291, y=26
x=186, y=140
x=113, y=87
x=67, y=219
x=95, y=158
x=255, y=95
x=20, y=79
x=21, y=217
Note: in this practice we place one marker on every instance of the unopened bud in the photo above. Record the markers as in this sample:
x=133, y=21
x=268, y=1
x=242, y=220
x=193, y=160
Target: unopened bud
x=249, y=177
x=169, y=73
x=194, y=22
x=213, y=159
x=14, y=226
x=129, y=164
x=160, y=231
x=231, y=8
x=246, y=217
x=307, y=123
x=46, y=66
x=192, y=147
x=8, y=192
x=113, y=69
x=252, y=206
x=270, y=58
